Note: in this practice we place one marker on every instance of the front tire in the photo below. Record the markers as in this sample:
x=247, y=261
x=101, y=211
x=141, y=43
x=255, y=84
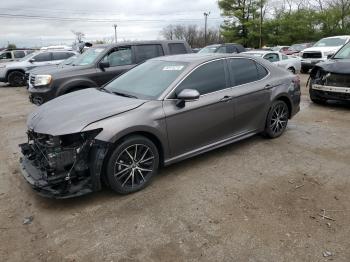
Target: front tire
x=132, y=165
x=16, y=78
x=277, y=119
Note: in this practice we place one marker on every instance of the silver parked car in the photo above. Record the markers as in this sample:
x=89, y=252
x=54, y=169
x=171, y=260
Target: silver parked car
x=158, y=113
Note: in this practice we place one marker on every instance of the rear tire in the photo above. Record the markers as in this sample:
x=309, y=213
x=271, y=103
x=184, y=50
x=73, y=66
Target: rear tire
x=277, y=119
x=132, y=165
x=16, y=78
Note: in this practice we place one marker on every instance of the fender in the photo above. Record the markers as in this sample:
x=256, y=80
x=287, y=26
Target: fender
x=72, y=83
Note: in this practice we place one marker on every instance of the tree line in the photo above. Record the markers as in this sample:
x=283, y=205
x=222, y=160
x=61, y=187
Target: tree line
x=255, y=23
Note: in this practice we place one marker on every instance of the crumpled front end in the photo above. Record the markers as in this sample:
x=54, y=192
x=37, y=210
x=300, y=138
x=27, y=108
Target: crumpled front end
x=329, y=85
x=63, y=166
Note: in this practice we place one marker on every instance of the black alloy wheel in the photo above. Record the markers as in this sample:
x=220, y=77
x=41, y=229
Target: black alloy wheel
x=132, y=165
x=16, y=79
x=277, y=119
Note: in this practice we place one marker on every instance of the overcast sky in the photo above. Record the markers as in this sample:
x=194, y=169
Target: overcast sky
x=136, y=19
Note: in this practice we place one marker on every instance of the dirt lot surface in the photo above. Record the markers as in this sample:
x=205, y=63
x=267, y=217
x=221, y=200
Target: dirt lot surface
x=257, y=200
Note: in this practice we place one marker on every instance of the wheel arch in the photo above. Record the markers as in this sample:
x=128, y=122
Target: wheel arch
x=78, y=83
x=157, y=142
x=287, y=100
x=13, y=70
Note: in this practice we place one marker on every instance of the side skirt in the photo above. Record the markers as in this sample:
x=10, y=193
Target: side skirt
x=210, y=147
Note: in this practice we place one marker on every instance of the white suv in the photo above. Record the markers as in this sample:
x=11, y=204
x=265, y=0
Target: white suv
x=321, y=50
x=14, y=72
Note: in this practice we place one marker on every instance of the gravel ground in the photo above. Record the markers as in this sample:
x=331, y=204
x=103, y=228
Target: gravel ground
x=257, y=200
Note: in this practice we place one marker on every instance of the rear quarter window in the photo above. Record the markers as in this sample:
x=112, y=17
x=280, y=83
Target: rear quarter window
x=177, y=48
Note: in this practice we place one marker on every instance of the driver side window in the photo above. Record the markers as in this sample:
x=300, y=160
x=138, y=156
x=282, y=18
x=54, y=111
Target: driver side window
x=119, y=57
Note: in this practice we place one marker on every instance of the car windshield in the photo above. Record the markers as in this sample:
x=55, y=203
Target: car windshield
x=69, y=61
x=148, y=80
x=343, y=53
x=330, y=42
x=209, y=49
x=89, y=56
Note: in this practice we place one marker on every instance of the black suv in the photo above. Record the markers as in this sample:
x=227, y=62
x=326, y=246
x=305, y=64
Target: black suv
x=97, y=66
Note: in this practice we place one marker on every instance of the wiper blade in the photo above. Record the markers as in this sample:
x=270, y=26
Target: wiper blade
x=123, y=94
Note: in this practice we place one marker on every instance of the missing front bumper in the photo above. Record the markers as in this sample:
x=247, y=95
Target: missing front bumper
x=59, y=190
x=59, y=187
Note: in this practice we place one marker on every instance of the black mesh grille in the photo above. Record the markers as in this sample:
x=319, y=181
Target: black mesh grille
x=312, y=55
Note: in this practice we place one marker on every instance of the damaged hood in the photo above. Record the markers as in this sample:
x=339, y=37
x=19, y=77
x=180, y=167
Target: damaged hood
x=339, y=66
x=70, y=113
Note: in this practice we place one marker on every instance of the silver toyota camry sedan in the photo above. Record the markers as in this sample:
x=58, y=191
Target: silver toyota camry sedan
x=160, y=112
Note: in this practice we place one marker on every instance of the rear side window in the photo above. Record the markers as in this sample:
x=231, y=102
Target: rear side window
x=42, y=57
x=207, y=78
x=231, y=49
x=19, y=54
x=284, y=57
x=61, y=55
x=145, y=52
x=177, y=48
x=244, y=71
x=222, y=50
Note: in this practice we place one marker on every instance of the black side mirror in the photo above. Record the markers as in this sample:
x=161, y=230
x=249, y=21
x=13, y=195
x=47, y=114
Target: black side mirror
x=31, y=60
x=187, y=95
x=329, y=56
x=104, y=65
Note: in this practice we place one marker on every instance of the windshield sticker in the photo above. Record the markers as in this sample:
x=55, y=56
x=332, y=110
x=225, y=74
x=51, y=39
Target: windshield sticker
x=172, y=68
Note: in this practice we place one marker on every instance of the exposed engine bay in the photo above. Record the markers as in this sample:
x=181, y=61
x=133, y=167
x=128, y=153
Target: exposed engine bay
x=59, y=165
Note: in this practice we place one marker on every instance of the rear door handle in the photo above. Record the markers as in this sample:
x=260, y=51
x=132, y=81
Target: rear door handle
x=226, y=99
x=268, y=86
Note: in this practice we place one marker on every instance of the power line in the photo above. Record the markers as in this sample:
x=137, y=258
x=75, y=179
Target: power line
x=95, y=20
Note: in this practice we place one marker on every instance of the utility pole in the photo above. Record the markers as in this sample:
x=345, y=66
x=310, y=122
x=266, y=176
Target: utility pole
x=261, y=23
x=205, y=27
x=115, y=32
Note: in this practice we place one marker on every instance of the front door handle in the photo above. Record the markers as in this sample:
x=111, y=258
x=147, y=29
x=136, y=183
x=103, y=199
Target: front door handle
x=226, y=99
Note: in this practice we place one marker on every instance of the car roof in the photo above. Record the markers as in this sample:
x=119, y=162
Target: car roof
x=261, y=52
x=337, y=36
x=148, y=42
x=197, y=58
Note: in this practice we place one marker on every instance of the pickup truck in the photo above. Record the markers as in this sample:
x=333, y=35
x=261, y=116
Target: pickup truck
x=291, y=63
x=321, y=51
x=96, y=67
